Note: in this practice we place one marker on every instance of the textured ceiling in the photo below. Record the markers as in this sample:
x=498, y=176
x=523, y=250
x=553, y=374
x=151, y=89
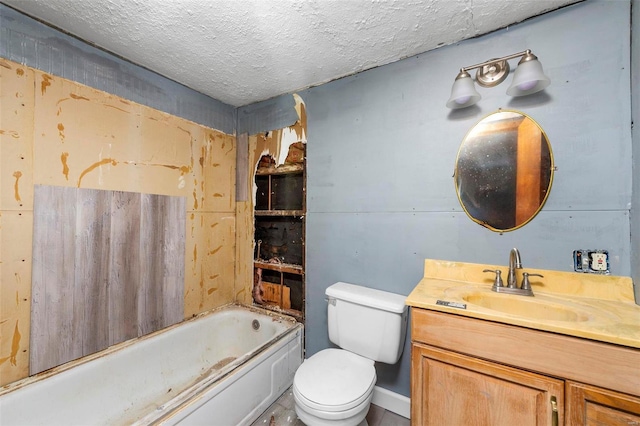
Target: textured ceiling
x=244, y=51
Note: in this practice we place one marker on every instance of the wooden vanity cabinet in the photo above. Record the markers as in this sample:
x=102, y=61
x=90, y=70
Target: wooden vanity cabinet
x=468, y=371
x=456, y=389
x=593, y=406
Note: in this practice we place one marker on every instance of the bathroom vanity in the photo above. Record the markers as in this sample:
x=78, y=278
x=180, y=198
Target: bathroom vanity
x=569, y=355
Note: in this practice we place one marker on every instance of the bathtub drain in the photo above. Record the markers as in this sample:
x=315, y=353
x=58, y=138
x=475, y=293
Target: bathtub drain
x=255, y=324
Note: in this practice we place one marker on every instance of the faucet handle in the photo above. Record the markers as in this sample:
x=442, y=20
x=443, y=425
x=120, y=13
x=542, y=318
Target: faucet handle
x=526, y=285
x=498, y=281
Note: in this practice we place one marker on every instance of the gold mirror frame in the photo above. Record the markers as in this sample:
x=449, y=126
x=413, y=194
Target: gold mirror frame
x=504, y=170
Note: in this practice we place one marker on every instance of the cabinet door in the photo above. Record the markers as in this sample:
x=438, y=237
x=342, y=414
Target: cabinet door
x=452, y=389
x=589, y=405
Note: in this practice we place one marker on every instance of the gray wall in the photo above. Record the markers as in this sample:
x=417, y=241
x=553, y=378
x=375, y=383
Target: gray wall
x=36, y=45
x=635, y=106
x=382, y=147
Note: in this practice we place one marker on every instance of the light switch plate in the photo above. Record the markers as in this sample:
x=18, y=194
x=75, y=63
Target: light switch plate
x=591, y=261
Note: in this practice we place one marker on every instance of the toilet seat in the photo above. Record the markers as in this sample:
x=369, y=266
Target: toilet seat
x=334, y=381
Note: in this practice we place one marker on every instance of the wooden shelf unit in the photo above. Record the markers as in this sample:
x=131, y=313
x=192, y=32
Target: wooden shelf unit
x=280, y=237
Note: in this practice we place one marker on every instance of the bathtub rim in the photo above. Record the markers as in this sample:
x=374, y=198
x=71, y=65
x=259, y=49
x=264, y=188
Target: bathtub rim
x=18, y=384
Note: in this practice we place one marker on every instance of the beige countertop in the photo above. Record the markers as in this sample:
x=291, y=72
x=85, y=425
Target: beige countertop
x=597, y=307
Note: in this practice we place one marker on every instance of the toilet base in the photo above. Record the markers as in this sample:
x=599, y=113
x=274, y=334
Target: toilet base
x=311, y=420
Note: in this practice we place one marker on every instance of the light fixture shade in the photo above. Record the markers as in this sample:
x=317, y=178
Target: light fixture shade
x=528, y=78
x=463, y=92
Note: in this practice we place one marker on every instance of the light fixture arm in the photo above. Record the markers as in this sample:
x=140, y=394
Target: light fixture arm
x=493, y=61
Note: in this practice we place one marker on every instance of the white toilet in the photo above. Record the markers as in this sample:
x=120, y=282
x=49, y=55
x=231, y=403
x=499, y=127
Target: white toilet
x=335, y=386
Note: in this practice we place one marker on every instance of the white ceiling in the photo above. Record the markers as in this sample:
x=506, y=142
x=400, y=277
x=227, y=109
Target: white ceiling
x=244, y=51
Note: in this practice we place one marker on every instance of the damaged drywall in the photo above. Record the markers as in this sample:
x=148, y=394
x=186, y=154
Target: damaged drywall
x=279, y=148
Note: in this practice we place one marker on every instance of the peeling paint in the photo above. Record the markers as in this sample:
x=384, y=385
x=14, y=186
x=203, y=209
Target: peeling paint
x=301, y=125
x=17, y=175
x=46, y=82
x=211, y=290
x=19, y=71
x=213, y=277
x=95, y=166
x=195, y=200
x=61, y=132
x=65, y=167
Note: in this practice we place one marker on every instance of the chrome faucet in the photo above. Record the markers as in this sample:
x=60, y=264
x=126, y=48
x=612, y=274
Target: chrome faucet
x=512, y=285
x=514, y=263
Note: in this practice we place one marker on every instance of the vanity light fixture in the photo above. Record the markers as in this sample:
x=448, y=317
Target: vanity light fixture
x=527, y=79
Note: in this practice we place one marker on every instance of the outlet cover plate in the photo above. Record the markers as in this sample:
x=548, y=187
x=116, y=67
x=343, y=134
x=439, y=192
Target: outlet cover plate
x=591, y=261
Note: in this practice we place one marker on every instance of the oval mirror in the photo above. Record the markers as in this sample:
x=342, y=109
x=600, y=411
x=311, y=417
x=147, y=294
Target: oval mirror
x=504, y=171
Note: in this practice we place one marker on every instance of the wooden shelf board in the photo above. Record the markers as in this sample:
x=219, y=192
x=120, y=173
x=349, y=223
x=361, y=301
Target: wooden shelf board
x=283, y=213
x=285, y=169
x=281, y=267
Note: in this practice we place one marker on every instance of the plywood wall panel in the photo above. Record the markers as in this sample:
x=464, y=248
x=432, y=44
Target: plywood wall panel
x=245, y=246
x=16, y=216
x=167, y=150
x=58, y=132
x=210, y=268
x=104, y=142
x=218, y=158
x=16, y=136
x=15, y=294
x=81, y=135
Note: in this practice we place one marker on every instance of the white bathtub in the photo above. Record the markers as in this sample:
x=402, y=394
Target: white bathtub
x=214, y=369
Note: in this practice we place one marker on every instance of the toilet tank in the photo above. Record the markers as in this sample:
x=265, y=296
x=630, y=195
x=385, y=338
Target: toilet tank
x=371, y=323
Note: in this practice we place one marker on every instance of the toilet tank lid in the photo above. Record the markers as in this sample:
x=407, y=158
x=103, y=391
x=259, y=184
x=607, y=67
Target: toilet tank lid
x=360, y=295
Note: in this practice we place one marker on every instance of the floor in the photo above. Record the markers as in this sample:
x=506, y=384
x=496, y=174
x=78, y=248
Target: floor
x=282, y=412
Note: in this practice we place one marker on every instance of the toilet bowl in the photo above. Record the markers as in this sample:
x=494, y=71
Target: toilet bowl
x=334, y=387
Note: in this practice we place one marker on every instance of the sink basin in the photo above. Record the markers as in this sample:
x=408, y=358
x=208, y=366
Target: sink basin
x=527, y=307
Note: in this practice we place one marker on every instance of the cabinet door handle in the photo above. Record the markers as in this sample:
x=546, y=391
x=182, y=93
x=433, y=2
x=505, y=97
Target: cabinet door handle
x=554, y=411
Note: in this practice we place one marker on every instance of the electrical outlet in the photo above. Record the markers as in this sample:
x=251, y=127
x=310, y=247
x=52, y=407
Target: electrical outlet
x=591, y=261
x=599, y=262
